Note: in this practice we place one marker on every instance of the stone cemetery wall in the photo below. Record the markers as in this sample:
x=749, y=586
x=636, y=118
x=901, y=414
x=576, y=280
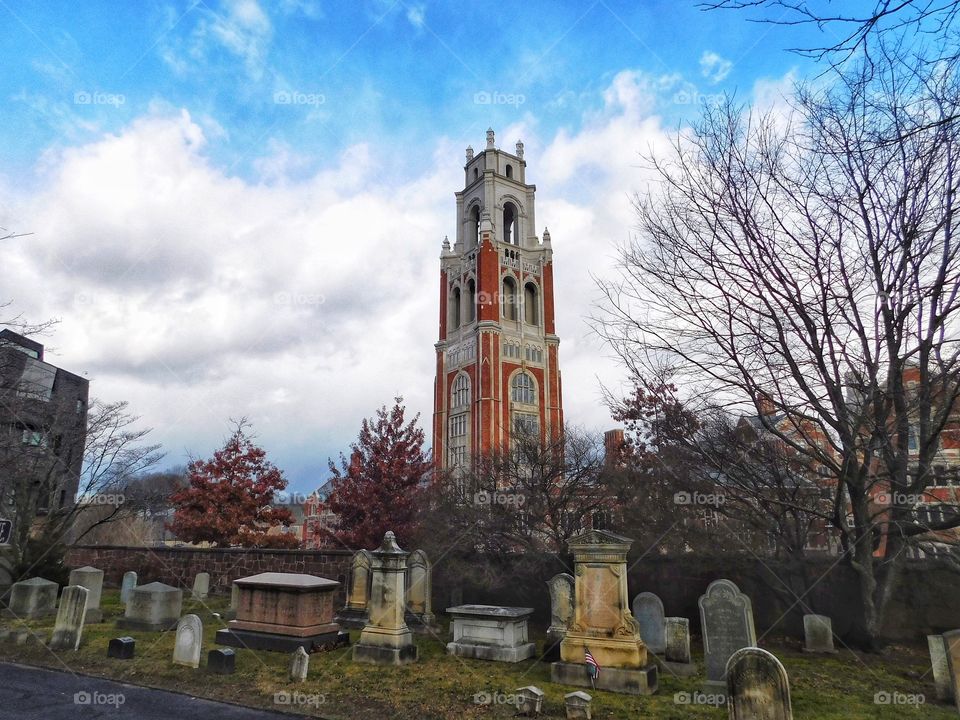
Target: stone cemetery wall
x=178, y=566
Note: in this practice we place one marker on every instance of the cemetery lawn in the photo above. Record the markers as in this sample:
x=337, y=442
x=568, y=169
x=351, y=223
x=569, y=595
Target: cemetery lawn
x=838, y=687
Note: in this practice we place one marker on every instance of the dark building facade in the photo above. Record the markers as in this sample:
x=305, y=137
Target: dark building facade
x=43, y=424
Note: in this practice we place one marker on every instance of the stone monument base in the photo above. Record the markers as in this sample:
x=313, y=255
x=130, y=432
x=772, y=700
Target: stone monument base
x=142, y=625
x=628, y=681
x=352, y=618
x=676, y=669
x=492, y=652
x=379, y=655
x=551, y=647
x=277, y=642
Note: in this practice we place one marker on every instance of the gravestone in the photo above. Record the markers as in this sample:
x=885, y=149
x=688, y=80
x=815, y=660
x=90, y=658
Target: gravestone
x=726, y=621
x=188, y=643
x=122, y=648
x=33, y=598
x=419, y=590
x=231, y=612
x=648, y=610
x=818, y=634
x=677, y=659
x=938, y=664
x=152, y=607
x=529, y=701
x=283, y=611
x=757, y=686
x=561, y=588
x=951, y=642
x=577, y=705
x=386, y=639
x=222, y=661
x=92, y=579
x=69, y=624
x=201, y=586
x=602, y=621
x=299, y=664
x=354, y=613
x=127, y=585
x=491, y=632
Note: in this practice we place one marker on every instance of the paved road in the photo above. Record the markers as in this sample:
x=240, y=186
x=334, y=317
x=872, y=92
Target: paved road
x=27, y=693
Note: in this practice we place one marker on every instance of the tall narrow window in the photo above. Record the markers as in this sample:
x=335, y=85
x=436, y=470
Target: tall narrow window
x=473, y=227
x=509, y=299
x=523, y=389
x=455, y=309
x=471, y=300
x=509, y=171
x=530, y=309
x=510, y=223
x=461, y=391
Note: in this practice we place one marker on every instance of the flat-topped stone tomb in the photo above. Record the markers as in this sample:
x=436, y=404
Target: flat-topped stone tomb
x=153, y=606
x=491, y=632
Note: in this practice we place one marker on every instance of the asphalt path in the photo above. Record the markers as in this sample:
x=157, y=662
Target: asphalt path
x=28, y=692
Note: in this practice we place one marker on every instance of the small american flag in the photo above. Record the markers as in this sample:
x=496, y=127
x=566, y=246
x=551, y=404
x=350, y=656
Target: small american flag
x=592, y=667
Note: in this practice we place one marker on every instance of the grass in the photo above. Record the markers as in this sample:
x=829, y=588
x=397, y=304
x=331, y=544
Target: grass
x=840, y=687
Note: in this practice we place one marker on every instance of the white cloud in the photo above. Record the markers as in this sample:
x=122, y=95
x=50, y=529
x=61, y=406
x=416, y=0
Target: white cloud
x=416, y=15
x=714, y=67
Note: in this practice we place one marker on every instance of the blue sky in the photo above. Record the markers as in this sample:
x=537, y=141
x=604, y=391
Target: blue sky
x=237, y=207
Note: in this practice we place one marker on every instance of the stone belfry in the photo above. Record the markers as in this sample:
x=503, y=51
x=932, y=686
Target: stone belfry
x=497, y=367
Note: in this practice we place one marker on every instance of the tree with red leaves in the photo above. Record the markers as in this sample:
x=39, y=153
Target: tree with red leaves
x=377, y=488
x=228, y=499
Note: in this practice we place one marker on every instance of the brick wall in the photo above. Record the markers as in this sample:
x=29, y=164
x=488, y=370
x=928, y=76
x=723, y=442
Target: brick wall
x=178, y=566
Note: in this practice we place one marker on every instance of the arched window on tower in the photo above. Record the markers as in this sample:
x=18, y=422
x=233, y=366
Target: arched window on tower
x=461, y=392
x=509, y=299
x=510, y=224
x=530, y=304
x=471, y=301
x=455, y=309
x=509, y=171
x=473, y=228
x=476, y=173
x=524, y=390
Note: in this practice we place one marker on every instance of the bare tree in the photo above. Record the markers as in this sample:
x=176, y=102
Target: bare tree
x=807, y=264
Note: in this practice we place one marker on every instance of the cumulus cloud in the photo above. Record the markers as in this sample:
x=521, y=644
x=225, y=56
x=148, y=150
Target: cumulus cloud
x=714, y=67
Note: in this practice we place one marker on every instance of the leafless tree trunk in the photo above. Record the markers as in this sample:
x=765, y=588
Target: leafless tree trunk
x=807, y=264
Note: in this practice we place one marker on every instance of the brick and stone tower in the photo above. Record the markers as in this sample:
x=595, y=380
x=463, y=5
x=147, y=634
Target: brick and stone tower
x=497, y=367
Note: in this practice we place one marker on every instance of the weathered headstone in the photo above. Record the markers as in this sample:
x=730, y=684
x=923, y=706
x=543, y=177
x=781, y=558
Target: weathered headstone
x=33, y=598
x=152, y=607
x=69, y=624
x=951, y=642
x=386, y=639
x=757, y=686
x=578, y=705
x=938, y=664
x=92, y=579
x=602, y=622
x=299, y=664
x=491, y=632
x=201, y=586
x=355, y=613
x=648, y=610
x=818, y=634
x=231, y=612
x=189, y=641
x=529, y=700
x=127, y=585
x=677, y=660
x=419, y=590
x=122, y=648
x=561, y=588
x=726, y=621
x=222, y=661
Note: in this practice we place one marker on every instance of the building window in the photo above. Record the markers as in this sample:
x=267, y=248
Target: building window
x=473, y=228
x=458, y=426
x=510, y=224
x=509, y=171
x=33, y=438
x=534, y=353
x=530, y=306
x=458, y=456
x=526, y=424
x=523, y=389
x=461, y=391
x=455, y=309
x=81, y=405
x=511, y=350
x=471, y=301
x=509, y=300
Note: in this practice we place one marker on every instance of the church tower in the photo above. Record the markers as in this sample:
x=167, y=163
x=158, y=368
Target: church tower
x=497, y=368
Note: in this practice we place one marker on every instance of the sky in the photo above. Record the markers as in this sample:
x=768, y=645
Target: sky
x=236, y=209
